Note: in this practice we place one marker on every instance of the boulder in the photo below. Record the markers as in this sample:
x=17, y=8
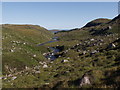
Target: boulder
x=92, y=39
x=13, y=78
x=34, y=55
x=84, y=52
x=37, y=72
x=64, y=61
x=111, y=45
x=11, y=50
x=109, y=27
x=45, y=66
x=85, y=80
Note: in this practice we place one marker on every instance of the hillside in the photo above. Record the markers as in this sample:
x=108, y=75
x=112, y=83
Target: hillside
x=20, y=46
x=93, y=50
x=91, y=30
x=97, y=22
x=88, y=57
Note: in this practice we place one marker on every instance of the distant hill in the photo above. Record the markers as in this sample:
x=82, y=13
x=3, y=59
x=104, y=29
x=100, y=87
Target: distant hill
x=96, y=26
x=55, y=30
x=31, y=30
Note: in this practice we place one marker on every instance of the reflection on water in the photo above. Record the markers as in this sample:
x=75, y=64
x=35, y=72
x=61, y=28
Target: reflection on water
x=54, y=40
x=46, y=43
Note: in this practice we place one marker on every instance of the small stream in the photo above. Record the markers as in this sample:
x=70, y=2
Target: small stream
x=51, y=55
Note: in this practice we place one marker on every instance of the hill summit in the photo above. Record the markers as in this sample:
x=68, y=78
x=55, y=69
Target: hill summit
x=97, y=22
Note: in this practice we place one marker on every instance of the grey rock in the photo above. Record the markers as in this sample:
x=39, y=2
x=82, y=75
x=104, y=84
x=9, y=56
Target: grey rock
x=85, y=80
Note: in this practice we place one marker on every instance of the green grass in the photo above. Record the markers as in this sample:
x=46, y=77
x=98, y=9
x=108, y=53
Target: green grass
x=23, y=53
x=103, y=66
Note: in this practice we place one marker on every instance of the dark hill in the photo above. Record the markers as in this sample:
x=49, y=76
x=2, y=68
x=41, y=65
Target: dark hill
x=97, y=22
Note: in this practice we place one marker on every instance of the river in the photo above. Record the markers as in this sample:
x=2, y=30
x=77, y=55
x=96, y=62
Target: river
x=51, y=55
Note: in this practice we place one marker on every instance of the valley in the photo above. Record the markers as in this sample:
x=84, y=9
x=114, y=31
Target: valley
x=87, y=57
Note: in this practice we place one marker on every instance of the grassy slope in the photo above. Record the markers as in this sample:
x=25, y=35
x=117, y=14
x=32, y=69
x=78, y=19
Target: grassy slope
x=99, y=64
x=104, y=66
x=26, y=38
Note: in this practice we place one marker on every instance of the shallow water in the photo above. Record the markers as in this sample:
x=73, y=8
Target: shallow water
x=45, y=43
x=51, y=56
